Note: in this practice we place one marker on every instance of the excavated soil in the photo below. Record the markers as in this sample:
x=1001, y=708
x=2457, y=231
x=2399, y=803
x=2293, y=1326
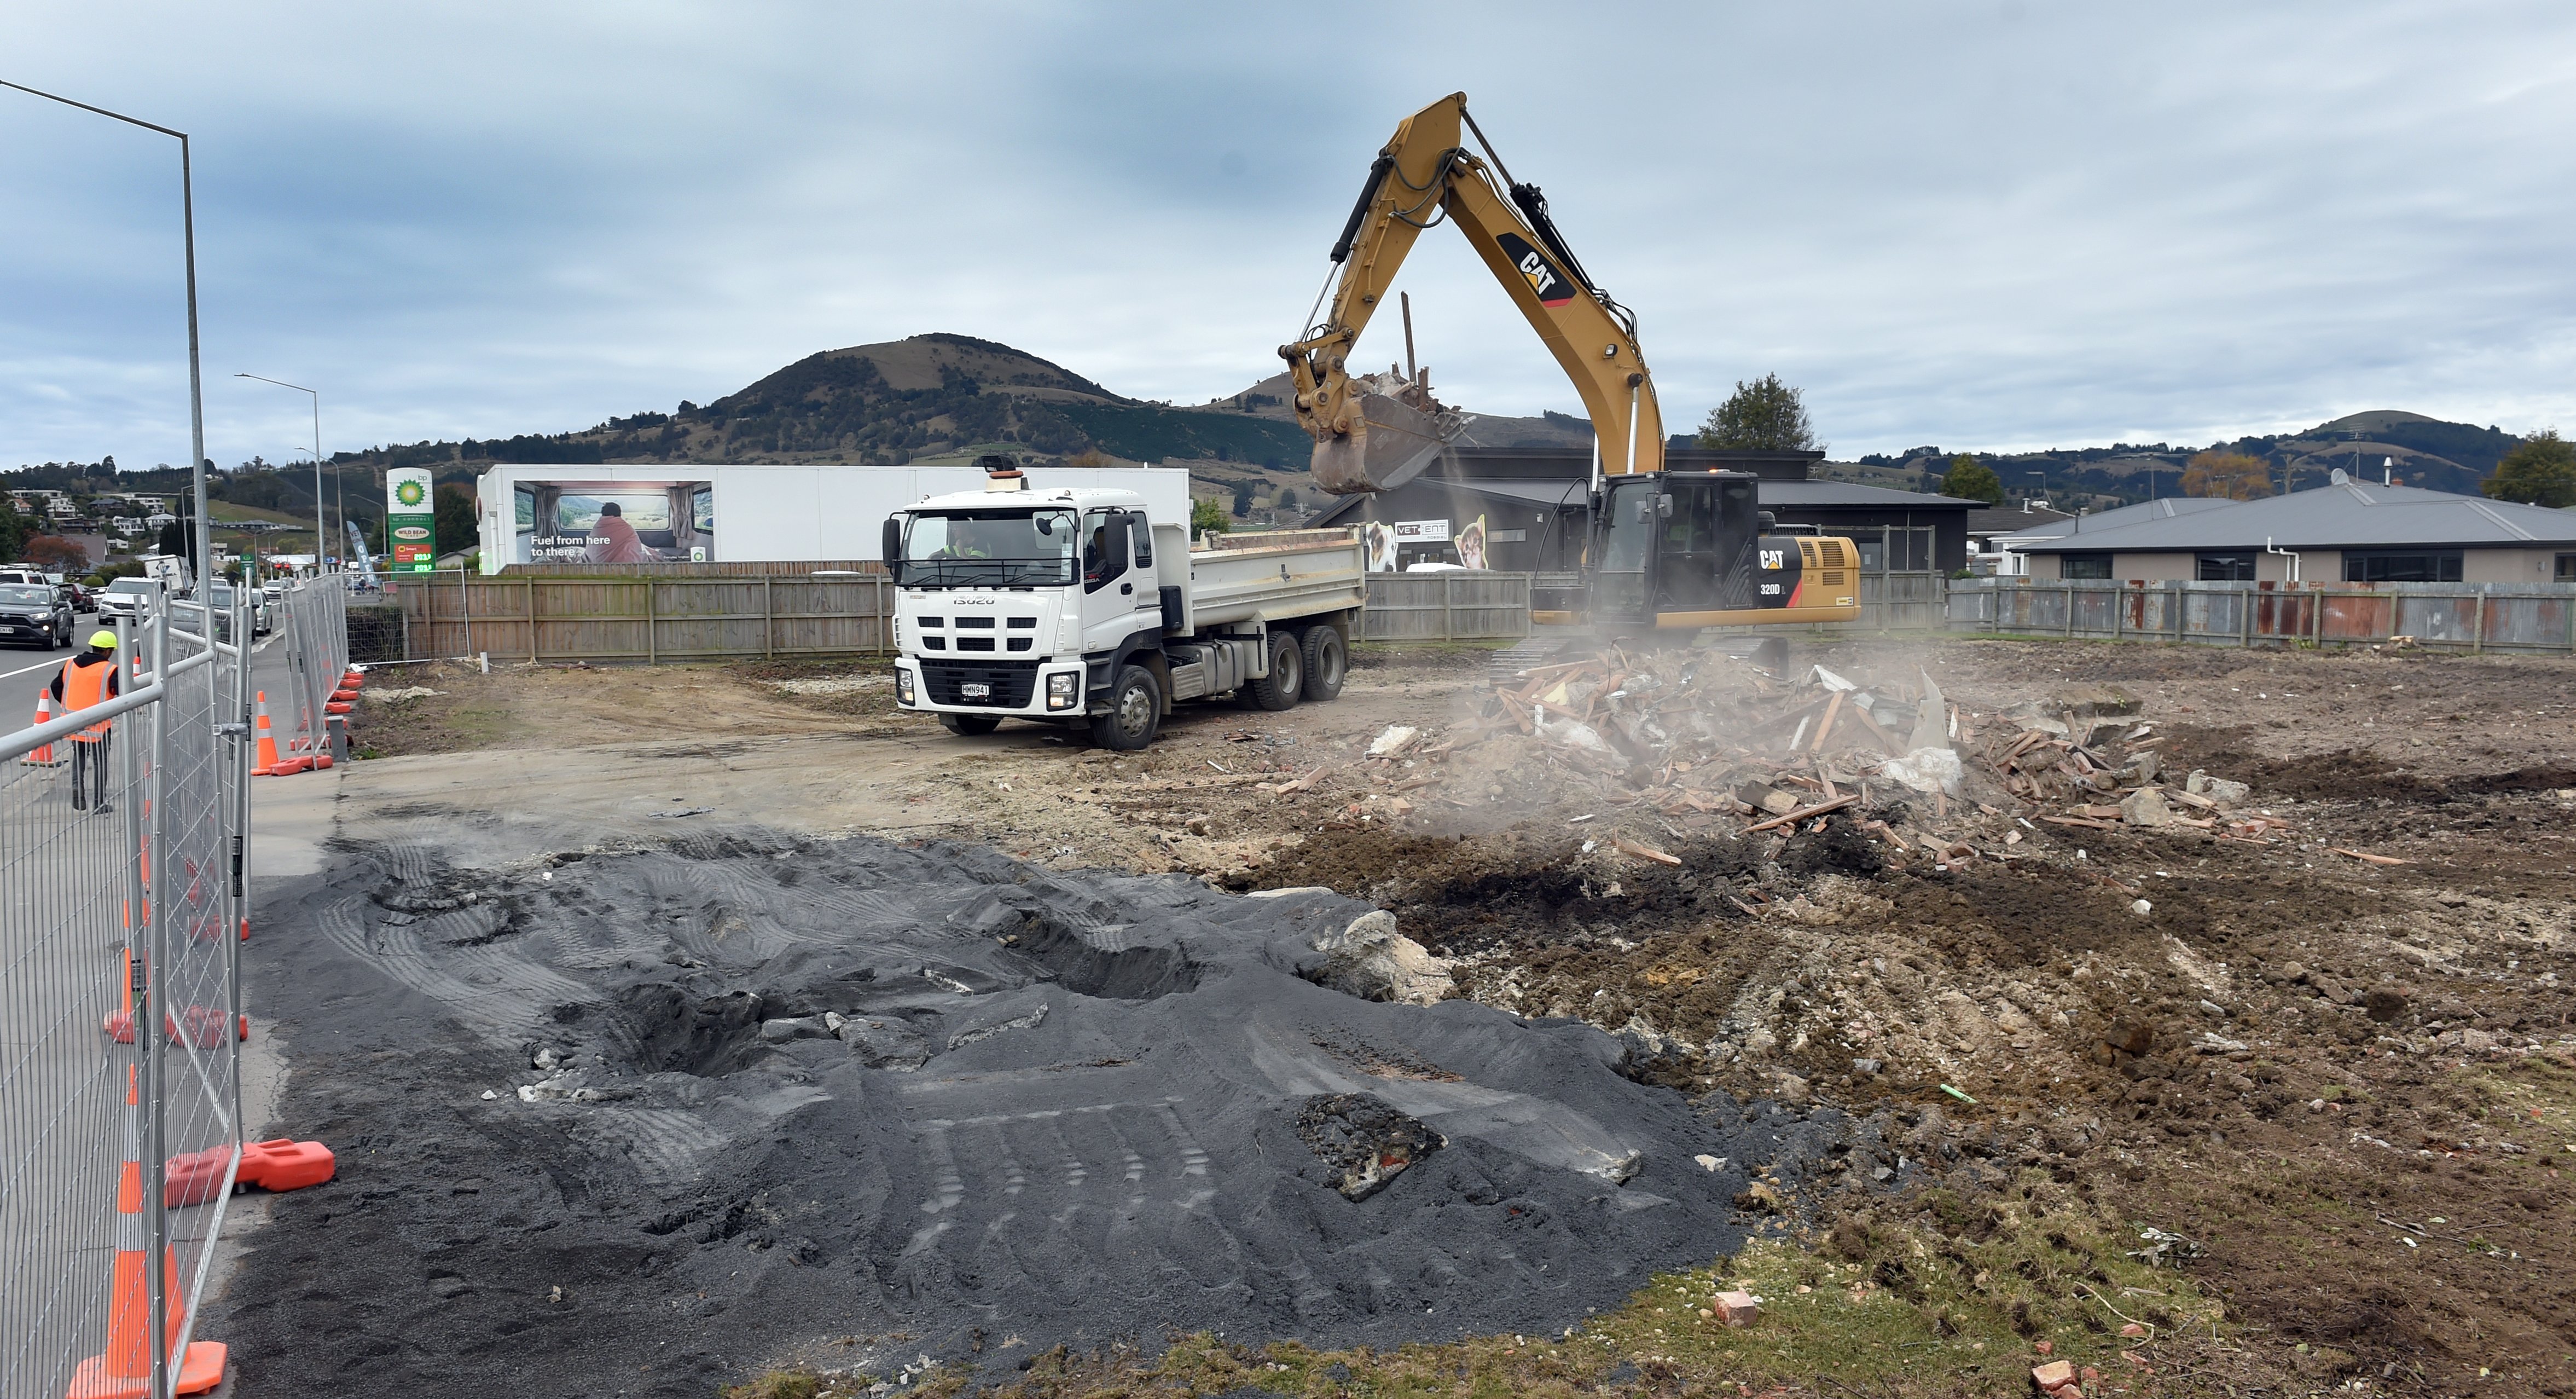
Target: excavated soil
x=2348, y=1088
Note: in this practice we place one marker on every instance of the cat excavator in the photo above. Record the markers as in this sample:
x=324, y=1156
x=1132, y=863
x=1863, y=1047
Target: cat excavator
x=1669, y=551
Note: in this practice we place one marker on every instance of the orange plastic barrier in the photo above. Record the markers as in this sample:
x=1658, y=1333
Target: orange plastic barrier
x=286, y=1164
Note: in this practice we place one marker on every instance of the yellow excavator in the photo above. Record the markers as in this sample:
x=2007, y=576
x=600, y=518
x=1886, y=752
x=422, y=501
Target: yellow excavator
x=1669, y=551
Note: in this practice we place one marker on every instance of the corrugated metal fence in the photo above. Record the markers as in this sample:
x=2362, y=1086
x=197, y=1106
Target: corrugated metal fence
x=676, y=613
x=2460, y=616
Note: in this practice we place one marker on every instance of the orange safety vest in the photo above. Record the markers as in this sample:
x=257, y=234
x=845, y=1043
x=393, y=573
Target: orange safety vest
x=85, y=687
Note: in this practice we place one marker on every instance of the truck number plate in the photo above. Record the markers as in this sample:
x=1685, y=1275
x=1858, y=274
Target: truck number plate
x=975, y=690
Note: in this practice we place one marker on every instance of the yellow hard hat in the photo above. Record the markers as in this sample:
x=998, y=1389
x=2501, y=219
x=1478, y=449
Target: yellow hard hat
x=102, y=641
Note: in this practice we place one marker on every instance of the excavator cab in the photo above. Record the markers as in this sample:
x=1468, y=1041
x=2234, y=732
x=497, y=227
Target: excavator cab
x=1681, y=550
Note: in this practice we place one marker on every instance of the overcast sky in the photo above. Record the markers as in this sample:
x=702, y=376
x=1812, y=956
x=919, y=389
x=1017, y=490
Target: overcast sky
x=2008, y=223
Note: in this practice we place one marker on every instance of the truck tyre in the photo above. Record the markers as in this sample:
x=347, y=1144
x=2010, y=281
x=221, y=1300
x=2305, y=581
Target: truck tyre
x=1327, y=662
x=969, y=724
x=1287, y=679
x=1135, y=711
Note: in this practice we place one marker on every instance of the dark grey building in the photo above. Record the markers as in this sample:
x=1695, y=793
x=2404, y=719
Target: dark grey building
x=1535, y=502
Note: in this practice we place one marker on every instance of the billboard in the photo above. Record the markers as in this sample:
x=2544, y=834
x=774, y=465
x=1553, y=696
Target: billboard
x=410, y=509
x=615, y=521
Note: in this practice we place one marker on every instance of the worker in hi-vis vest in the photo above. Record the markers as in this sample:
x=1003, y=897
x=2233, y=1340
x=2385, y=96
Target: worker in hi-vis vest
x=85, y=682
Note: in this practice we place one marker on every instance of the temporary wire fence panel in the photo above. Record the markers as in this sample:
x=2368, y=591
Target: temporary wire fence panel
x=2535, y=617
x=1463, y=605
x=122, y=829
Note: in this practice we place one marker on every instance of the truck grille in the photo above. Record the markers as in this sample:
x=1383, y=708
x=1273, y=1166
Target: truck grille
x=1013, y=682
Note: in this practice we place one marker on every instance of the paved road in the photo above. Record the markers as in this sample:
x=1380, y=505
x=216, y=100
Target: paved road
x=24, y=670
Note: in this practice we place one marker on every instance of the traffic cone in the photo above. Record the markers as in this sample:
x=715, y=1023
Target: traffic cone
x=268, y=763
x=43, y=757
x=124, y=1369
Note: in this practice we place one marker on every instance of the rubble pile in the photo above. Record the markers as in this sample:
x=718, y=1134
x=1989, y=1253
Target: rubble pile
x=1694, y=742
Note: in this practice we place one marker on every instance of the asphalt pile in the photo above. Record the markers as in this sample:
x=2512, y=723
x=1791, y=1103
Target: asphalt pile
x=667, y=1115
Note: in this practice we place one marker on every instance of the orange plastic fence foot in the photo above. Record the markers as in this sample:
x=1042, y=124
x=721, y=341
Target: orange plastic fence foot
x=200, y=1369
x=286, y=1164
x=194, y=1177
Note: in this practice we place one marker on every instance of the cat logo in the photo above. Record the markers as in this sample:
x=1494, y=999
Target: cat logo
x=1773, y=558
x=1550, y=285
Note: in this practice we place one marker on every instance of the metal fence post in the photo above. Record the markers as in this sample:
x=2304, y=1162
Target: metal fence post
x=149, y=1011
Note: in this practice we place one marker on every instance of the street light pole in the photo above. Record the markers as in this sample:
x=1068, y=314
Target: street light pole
x=196, y=382
x=321, y=537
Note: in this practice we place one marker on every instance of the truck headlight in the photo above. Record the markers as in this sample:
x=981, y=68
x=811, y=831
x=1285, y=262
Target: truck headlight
x=902, y=685
x=1064, y=688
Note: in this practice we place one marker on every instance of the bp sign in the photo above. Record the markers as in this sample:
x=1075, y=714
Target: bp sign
x=409, y=520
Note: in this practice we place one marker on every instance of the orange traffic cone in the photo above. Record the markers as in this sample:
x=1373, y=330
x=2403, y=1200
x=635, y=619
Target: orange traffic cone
x=268, y=764
x=124, y=1369
x=43, y=757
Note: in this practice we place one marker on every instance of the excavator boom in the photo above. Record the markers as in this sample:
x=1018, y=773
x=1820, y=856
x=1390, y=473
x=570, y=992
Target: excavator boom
x=1668, y=551
x=1373, y=432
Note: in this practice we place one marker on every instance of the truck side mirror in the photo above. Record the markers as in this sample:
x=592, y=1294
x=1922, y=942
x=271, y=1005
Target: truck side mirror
x=893, y=543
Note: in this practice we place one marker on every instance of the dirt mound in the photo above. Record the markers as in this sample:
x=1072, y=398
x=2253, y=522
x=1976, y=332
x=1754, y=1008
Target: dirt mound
x=715, y=1101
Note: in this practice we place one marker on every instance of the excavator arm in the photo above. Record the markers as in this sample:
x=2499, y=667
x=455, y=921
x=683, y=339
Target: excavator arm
x=1374, y=432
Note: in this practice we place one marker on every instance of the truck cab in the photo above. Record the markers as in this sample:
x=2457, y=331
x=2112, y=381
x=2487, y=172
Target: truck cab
x=1085, y=605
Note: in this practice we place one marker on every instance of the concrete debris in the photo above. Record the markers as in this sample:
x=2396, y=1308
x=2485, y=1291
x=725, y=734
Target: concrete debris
x=407, y=692
x=1371, y=960
x=2146, y=807
x=1394, y=741
x=884, y=1042
x=2225, y=795
x=1925, y=770
x=1737, y=1308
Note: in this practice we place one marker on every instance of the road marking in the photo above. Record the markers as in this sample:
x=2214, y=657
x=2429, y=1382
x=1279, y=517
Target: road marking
x=40, y=665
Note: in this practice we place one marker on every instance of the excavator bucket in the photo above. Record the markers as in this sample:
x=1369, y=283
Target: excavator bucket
x=1390, y=444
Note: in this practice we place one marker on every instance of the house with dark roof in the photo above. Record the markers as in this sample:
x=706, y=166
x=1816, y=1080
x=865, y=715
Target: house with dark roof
x=2349, y=531
x=1536, y=504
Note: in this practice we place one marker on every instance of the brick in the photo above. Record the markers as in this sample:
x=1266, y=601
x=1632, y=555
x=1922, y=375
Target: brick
x=1738, y=1308
x=2053, y=1376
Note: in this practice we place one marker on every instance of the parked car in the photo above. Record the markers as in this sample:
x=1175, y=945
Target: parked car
x=78, y=598
x=127, y=597
x=32, y=613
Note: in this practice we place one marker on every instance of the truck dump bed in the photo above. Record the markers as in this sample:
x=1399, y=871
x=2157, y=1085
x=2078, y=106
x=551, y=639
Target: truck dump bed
x=1274, y=577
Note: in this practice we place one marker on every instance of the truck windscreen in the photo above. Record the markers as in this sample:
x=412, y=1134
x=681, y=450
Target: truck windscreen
x=989, y=549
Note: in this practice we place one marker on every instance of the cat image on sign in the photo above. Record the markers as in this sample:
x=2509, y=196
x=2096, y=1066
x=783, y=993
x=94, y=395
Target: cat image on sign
x=1471, y=544
x=1381, y=547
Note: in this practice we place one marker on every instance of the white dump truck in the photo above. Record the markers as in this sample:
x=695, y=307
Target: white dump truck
x=1088, y=607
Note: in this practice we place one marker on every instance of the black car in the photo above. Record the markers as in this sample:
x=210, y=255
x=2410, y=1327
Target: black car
x=34, y=614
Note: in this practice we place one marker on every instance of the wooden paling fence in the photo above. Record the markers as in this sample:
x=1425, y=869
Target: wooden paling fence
x=693, y=612
x=2477, y=617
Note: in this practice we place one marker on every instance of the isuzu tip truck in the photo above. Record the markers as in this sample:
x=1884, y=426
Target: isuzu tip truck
x=1087, y=607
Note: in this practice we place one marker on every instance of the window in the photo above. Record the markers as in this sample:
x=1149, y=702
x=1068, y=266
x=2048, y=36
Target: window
x=2226, y=568
x=2401, y=566
x=2567, y=568
x=2084, y=566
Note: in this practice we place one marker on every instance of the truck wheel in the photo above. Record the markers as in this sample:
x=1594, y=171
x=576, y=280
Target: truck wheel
x=969, y=724
x=1326, y=662
x=1135, y=710
x=1287, y=679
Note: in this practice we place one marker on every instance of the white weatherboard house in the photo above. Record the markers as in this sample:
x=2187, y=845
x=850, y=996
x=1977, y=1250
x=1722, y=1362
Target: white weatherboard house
x=2346, y=532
